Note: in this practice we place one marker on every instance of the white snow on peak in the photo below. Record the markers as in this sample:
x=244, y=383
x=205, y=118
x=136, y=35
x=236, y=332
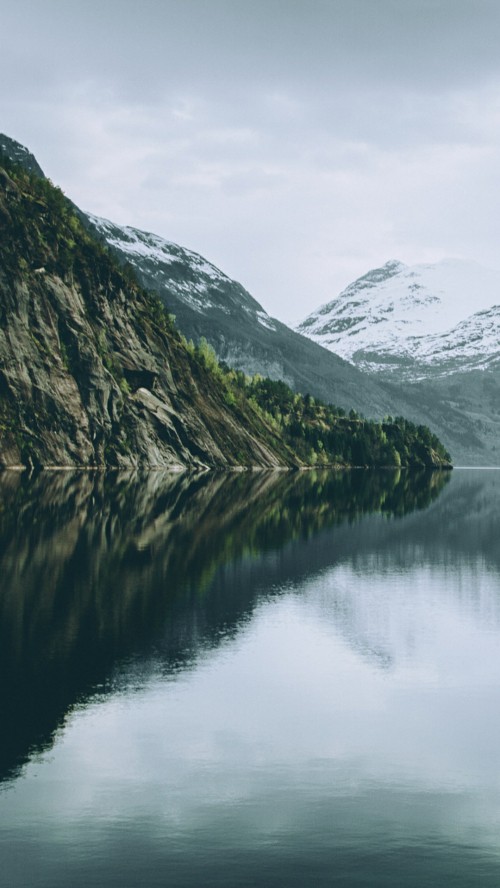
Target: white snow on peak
x=421, y=312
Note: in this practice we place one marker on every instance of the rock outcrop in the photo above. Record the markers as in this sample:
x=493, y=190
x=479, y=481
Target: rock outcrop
x=91, y=370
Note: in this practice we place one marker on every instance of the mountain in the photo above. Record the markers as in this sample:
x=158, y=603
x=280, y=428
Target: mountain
x=433, y=330
x=207, y=303
x=414, y=322
x=94, y=373
x=18, y=154
x=91, y=371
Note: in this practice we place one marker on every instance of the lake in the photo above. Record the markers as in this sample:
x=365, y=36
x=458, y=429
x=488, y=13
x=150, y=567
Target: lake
x=250, y=679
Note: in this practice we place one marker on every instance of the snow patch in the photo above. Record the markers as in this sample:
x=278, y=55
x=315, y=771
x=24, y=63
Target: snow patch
x=156, y=249
x=265, y=321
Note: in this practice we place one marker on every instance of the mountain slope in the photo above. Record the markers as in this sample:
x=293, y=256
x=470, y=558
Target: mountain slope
x=91, y=373
x=418, y=322
x=207, y=303
x=434, y=330
x=18, y=154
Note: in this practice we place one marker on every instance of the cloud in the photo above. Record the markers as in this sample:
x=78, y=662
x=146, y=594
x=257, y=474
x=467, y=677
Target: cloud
x=294, y=144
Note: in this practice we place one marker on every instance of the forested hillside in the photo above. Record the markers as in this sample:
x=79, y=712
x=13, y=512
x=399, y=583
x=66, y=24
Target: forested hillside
x=94, y=372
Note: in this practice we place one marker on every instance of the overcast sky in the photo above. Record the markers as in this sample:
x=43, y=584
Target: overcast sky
x=294, y=143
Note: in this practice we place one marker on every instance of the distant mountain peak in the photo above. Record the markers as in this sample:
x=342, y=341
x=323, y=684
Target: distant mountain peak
x=415, y=321
x=388, y=270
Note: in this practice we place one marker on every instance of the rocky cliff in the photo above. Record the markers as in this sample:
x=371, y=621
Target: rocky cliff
x=91, y=370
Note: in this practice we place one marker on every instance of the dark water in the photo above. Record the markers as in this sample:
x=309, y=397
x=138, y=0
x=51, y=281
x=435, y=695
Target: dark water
x=250, y=680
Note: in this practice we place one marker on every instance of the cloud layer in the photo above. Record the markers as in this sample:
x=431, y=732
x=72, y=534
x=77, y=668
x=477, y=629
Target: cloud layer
x=295, y=144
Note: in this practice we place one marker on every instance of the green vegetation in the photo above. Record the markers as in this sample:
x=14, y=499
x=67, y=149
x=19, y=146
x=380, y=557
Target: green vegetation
x=46, y=239
x=321, y=434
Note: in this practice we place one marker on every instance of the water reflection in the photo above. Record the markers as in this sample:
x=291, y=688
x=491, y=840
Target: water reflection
x=251, y=680
x=98, y=569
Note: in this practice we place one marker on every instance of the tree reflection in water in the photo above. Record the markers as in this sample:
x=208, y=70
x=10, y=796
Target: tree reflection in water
x=98, y=569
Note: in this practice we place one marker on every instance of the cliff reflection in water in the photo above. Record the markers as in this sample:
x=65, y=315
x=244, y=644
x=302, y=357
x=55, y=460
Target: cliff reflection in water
x=98, y=570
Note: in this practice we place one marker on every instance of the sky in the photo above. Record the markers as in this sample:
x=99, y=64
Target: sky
x=296, y=144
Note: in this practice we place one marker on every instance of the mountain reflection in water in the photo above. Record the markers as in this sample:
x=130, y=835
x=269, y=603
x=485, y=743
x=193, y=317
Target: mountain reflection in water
x=250, y=679
x=101, y=570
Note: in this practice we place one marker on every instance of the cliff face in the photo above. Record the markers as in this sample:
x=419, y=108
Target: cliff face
x=91, y=370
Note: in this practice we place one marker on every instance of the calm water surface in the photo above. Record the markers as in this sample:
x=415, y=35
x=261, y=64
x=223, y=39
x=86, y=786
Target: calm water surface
x=250, y=680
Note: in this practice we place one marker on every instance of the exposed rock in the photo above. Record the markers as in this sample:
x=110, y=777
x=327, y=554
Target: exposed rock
x=7, y=184
x=91, y=373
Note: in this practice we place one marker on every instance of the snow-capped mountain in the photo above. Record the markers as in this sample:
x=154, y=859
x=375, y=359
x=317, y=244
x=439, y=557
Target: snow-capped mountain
x=421, y=321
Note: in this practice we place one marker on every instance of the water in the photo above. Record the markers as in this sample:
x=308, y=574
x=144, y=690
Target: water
x=266, y=679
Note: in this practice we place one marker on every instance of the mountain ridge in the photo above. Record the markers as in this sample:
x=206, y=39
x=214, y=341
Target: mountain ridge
x=94, y=373
x=214, y=306
x=246, y=338
x=91, y=371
